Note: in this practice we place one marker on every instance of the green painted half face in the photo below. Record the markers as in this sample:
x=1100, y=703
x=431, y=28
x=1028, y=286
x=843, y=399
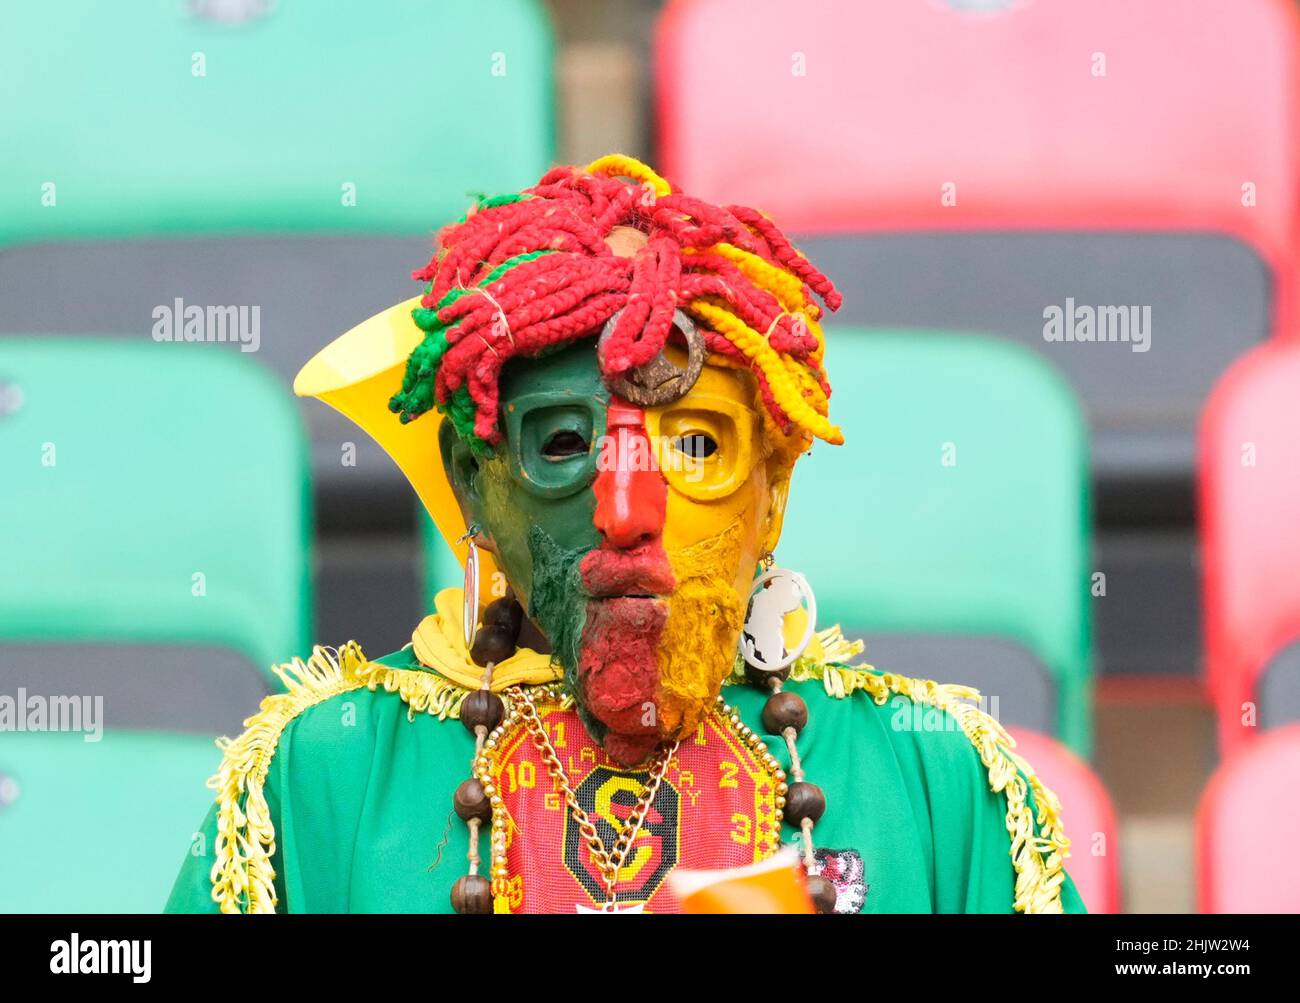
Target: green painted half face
x=536, y=486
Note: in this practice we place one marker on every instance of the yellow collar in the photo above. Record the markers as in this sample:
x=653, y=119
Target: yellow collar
x=439, y=644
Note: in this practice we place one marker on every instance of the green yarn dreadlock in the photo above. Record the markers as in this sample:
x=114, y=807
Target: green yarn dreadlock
x=419, y=384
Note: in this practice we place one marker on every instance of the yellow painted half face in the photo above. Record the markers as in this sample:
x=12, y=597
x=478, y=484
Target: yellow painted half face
x=726, y=496
x=723, y=476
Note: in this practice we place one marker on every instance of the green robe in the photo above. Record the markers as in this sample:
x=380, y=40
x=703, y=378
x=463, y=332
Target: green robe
x=359, y=781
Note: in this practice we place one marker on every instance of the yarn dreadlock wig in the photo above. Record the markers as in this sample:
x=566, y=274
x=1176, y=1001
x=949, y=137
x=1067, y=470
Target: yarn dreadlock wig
x=522, y=275
x=622, y=377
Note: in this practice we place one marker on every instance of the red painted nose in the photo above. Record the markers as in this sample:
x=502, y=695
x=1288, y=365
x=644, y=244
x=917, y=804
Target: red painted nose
x=631, y=494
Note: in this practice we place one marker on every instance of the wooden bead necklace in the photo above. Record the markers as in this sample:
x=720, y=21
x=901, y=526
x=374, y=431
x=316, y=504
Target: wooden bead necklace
x=485, y=716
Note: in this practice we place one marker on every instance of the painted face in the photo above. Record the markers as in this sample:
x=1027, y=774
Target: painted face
x=630, y=535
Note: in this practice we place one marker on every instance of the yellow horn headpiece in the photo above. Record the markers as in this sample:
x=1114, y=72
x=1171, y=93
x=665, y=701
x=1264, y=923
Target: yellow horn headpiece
x=357, y=374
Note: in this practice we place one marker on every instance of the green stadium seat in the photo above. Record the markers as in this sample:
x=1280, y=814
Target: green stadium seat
x=415, y=104
x=951, y=531
x=303, y=174
x=99, y=826
x=156, y=538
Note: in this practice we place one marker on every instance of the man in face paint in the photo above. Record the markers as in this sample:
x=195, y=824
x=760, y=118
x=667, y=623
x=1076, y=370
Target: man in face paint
x=630, y=534
x=602, y=393
x=629, y=530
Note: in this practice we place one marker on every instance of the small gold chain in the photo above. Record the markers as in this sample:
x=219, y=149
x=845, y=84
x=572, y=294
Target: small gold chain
x=609, y=863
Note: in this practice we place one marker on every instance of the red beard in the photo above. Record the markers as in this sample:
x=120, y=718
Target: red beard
x=618, y=667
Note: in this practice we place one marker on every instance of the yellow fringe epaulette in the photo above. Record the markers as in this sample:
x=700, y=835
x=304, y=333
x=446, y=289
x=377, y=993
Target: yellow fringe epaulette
x=424, y=691
x=243, y=879
x=1038, y=856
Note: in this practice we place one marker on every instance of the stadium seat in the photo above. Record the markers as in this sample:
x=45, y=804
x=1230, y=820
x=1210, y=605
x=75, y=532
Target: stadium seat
x=1250, y=498
x=1247, y=825
x=959, y=506
x=302, y=173
x=99, y=827
x=156, y=540
x=1087, y=814
x=969, y=166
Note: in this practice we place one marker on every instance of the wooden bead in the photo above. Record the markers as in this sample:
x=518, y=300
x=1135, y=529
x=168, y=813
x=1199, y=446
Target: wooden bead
x=804, y=800
x=822, y=892
x=784, y=710
x=505, y=613
x=471, y=801
x=472, y=895
x=492, y=644
x=481, y=707
x=761, y=677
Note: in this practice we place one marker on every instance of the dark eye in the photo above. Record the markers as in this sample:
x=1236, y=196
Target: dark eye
x=697, y=446
x=561, y=445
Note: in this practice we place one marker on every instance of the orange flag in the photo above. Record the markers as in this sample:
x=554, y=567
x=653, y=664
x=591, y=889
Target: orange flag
x=775, y=885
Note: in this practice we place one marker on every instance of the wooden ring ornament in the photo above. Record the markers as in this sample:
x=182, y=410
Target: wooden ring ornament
x=659, y=381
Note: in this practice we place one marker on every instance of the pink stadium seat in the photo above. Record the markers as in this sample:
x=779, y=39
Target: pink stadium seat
x=966, y=165
x=1248, y=826
x=840, y=117
x=1250, y=530
x=969, y=165
x=1088, y=816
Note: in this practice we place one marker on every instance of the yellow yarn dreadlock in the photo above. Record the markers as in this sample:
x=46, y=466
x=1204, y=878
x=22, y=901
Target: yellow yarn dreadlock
x=797, y=385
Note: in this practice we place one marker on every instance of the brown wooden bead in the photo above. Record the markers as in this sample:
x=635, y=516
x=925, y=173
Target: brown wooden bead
x=470, y=801
x=492, y=645
x=822, y=892
x=804, y=800
x=481, y=707
x=784, y=710
x=761, y=677
x=472, y=895
x=504, y=613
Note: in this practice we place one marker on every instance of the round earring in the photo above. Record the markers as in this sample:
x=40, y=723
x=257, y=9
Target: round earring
x=777, y=592
x=469, y=614
x=502, y=620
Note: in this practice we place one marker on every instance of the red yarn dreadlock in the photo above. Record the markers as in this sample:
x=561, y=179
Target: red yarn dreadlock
x=521, y=274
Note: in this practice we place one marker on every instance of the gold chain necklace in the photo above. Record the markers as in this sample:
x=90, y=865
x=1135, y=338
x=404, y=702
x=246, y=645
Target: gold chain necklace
x=801, y=803
x=610, y=864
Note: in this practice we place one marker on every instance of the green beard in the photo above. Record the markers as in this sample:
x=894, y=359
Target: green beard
x=558, y=606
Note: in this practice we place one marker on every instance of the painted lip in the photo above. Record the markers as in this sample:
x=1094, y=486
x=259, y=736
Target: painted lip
x=639, y=573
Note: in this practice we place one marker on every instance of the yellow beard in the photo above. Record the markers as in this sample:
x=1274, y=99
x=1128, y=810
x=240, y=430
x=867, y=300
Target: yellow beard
x=698, y=645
